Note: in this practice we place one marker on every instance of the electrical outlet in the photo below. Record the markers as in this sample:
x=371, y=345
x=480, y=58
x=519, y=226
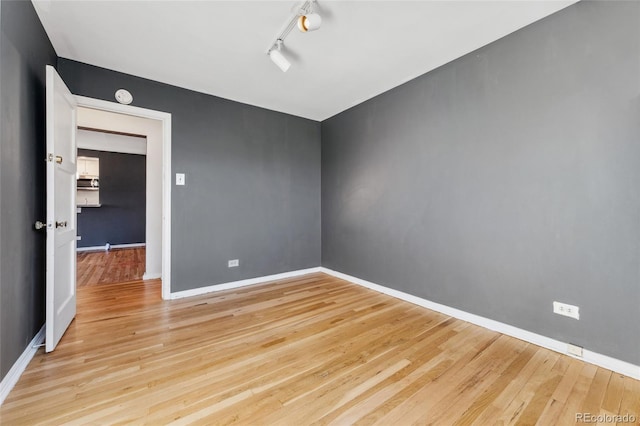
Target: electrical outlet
x=566, y=310
x=574, y=350
x=233, y=263
x=180, y=179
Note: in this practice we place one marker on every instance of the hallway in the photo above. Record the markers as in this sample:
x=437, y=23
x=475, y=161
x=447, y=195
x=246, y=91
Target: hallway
x=113, y=266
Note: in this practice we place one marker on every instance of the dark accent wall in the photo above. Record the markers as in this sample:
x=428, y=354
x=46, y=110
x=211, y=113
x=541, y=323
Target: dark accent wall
x=252, y=180
x=25, y=49
x=2, y=369
x=121, y=217
x=503, y=181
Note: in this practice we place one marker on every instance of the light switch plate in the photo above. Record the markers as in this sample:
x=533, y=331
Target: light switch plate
x=180, y=179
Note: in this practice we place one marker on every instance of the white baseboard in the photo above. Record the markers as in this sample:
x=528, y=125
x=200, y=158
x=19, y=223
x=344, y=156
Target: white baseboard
x=595, y=358
x=151, y=276
x=242, y=283
x=113, y=246
x=20, y=365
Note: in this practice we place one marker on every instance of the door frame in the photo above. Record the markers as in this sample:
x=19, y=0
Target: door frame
x=165, y=119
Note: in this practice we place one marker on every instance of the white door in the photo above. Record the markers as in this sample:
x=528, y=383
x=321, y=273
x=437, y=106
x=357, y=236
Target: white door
x=61, y=209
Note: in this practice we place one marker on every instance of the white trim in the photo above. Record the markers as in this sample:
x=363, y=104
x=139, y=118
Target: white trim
x=600, y=360
x=100, y=141
x=20, y=365
x=113, y=246
x=165, y=118
x=146, y=276
x=242, y=283
x=166, y=209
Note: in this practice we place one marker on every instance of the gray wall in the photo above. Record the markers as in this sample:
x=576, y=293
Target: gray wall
x=503, y=181
x=253, y=180
x=24, y=52
x=121, y=217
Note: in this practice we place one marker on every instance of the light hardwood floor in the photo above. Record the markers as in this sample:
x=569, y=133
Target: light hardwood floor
x=311, y=350
x=113, y=266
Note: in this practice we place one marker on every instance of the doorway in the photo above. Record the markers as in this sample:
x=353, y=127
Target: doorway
x=111, y=207
x=155, y=126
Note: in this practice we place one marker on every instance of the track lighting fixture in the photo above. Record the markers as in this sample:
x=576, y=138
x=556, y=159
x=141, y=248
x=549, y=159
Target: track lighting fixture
x=309, y=22
x=306, y=19
x=278, y=58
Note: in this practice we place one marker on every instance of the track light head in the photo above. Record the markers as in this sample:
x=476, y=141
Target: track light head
x=309, y=22
x=278, y=58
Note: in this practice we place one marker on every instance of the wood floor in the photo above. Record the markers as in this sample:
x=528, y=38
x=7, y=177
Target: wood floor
x=311, y=350
x=113, y=266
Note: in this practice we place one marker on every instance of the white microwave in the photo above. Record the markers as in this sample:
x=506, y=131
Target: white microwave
x=88, y=183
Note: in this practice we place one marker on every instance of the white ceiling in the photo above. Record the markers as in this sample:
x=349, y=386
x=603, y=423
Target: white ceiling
x=363, y=48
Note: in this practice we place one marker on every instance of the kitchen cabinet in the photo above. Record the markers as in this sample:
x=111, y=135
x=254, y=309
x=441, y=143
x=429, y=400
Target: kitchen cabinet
x=88, y=167
x=87, y=198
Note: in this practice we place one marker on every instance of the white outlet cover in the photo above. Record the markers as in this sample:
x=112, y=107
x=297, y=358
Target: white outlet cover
x=566, y=310
x=180, y=179
x=233, y=263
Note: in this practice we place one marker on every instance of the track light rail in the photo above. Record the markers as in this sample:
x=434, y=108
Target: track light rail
x=304, y=8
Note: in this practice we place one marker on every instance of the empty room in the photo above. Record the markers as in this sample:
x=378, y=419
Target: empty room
x=320, y=212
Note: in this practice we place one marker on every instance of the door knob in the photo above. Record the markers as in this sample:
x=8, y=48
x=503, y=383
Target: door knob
x=40, y=225
x=61, y=224
x=58, y=158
